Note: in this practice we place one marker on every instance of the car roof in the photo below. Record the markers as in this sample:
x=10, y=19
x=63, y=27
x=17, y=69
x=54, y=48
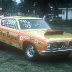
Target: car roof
x=22, y=17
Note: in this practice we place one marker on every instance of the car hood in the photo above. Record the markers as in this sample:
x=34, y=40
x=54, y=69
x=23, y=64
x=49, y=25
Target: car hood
x=47, y=33
x=35, y=32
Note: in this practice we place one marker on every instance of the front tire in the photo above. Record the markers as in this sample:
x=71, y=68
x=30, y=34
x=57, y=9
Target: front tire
x=30, y=52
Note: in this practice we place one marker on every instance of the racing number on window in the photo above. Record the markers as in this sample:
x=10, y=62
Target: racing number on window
x=10, y=23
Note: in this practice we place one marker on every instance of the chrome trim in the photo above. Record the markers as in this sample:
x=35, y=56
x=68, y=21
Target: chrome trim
x=57, y=51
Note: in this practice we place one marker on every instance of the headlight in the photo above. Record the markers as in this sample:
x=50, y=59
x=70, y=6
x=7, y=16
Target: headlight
x=49, y=45
x=70, y=44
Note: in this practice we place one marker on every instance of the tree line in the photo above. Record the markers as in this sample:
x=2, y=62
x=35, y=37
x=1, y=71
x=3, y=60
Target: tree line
x=33, y=7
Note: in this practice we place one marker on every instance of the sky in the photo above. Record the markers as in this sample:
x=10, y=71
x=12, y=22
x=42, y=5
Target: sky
x=18, y=1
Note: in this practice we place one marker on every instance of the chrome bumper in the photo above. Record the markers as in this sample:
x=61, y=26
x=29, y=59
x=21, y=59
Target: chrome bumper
x=56, y=52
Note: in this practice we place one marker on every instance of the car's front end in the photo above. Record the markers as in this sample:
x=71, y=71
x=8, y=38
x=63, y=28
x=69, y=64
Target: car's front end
x=58, y=45
x=44, y=39
x=57, y=42
x=50, y=42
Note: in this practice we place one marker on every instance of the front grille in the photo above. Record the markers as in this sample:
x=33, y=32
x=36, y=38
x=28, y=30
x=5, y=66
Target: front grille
x=58, y=45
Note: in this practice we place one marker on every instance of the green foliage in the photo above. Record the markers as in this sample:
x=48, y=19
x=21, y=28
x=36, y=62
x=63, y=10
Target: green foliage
x=0, y=3
x=8, y=6
x=41, y=7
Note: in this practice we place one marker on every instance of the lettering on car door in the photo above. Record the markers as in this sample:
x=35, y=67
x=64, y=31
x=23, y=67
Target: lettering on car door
x=11, y=32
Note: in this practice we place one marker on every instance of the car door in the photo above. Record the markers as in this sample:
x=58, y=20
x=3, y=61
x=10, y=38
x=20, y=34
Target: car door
x=10, y=28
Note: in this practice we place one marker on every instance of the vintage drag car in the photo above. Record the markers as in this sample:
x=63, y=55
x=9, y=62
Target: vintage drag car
x=34, y=36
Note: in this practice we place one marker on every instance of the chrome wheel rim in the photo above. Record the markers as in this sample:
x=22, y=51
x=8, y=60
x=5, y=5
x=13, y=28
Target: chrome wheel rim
x=30, y=51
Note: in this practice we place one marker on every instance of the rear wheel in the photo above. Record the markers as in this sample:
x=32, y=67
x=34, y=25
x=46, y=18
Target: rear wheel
x=30, y=52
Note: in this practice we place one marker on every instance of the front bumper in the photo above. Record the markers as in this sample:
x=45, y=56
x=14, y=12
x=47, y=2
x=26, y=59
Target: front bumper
x=57, y=52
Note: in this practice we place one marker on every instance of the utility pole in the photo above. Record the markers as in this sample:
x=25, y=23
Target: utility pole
x=66, y=13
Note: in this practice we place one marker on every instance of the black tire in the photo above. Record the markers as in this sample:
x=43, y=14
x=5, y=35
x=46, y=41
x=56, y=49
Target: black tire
x=30, y=52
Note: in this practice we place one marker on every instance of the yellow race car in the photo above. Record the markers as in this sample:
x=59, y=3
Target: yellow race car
x=34, y=36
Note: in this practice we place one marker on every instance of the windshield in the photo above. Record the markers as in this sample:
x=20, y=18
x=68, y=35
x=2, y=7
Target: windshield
x=33, y=24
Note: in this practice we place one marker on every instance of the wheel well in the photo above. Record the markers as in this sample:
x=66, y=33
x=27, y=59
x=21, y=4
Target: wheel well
x=25, y=44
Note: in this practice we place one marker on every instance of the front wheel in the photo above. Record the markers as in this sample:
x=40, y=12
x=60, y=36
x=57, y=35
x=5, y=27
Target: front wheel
x=30, y=52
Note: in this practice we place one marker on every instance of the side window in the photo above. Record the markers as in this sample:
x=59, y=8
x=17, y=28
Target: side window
x=11, y=23
x=25, y=24
x=3, y=22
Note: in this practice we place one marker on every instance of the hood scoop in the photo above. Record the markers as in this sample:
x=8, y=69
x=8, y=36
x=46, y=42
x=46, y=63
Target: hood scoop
x=53, y=32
